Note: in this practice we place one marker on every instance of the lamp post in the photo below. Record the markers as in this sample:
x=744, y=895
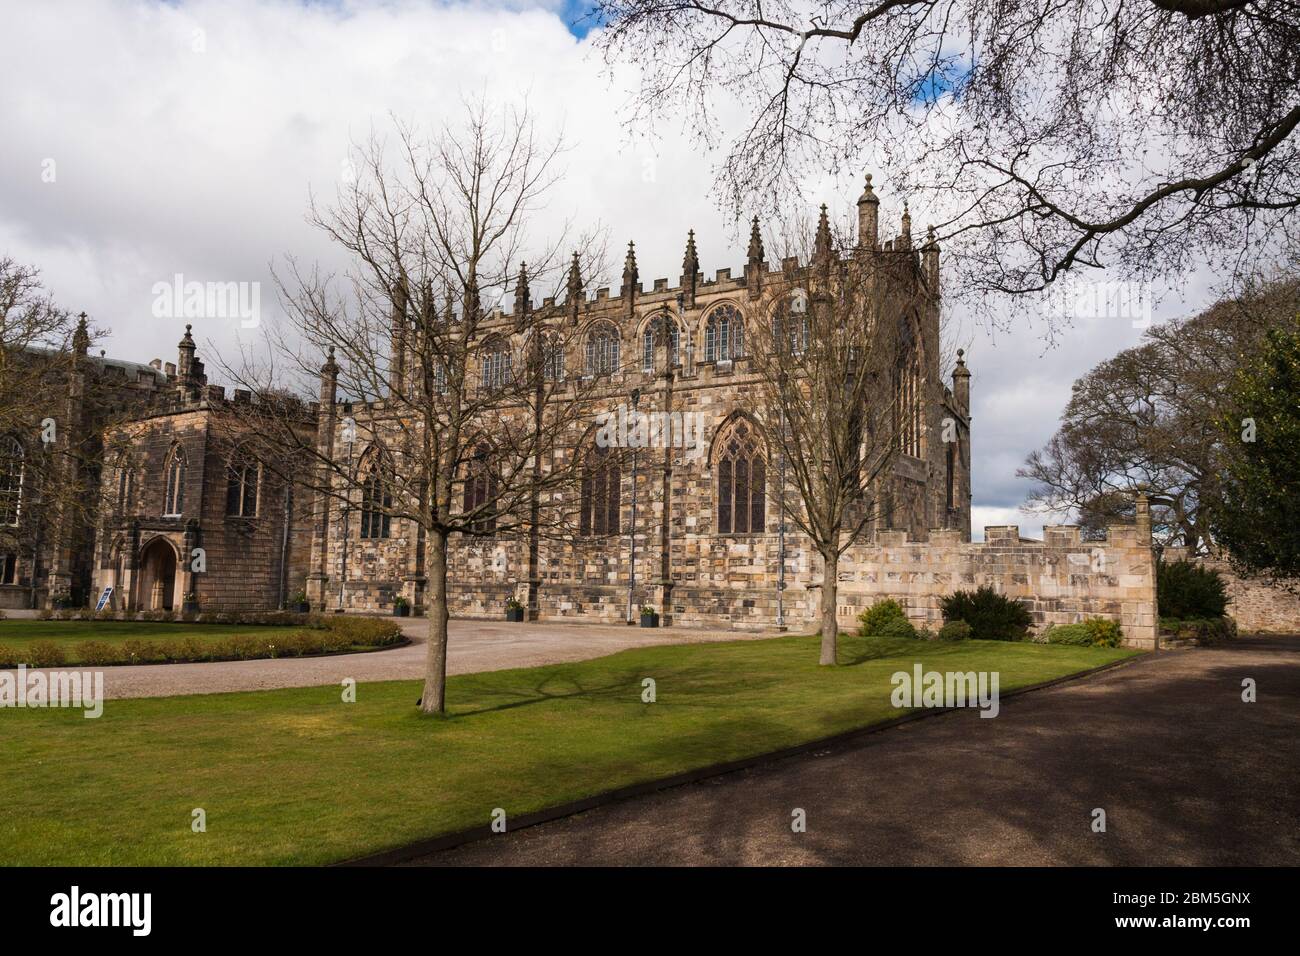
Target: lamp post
x=631, y=577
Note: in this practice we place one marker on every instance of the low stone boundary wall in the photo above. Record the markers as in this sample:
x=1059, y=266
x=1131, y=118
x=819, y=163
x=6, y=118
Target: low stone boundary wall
x=1061, y=579
x=1256, y=604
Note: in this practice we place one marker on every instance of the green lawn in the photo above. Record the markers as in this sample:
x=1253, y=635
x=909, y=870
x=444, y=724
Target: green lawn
x=28, y=631
x=297, y=776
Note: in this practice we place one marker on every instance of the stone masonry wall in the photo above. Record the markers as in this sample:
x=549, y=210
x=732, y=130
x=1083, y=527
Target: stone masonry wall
x=1061, y=579
x=1256, y=604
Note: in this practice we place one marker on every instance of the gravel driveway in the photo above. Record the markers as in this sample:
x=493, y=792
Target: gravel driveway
x=474, y=646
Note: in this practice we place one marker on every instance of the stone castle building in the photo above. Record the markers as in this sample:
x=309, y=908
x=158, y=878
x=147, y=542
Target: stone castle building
x=187, y=516
x=697, y=536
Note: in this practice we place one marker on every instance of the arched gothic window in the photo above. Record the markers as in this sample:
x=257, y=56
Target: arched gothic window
x=742, y=481
x=481, y=492
x=724, y=334
x=496, y=364
x=907, y=405
x=653, y=336
x=790, y=325
x=243, y=476
x=12, y=470
x=125, y=486
x=376, y=498
x=174, y=489
x=552, y=359
x=602, y=350
x=601, y=483
x=952, y=476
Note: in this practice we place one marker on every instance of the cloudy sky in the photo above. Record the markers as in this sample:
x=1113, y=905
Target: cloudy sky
x=140, y=140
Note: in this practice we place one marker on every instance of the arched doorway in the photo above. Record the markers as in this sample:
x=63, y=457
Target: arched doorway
x=157, y=576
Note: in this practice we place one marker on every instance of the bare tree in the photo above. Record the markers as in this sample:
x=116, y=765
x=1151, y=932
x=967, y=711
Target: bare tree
x=1149, y=417
x=1041, y=139
x=52, y=405
x=469, y=412
x=837, y=393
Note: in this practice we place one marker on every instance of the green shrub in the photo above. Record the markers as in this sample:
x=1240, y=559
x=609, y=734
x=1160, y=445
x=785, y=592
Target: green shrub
x=11, y=656
x=1076, y=635
x=1092, y=632
x=955, y=631
x=1104, y=632
x=97, y=652
x=47, y=654
x=874, y=618
x=991, y=616
x=897, y=627
x=344, y=632
x=1186, y=590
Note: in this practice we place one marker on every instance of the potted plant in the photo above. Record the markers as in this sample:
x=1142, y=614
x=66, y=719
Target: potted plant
x=649, y=616
x=514, y=611
x=300, y=603
x=401, y=607
x=190, y=603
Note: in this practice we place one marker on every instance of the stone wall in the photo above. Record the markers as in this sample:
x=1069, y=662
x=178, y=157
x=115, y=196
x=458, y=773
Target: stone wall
x=1256, y=604
x=1061, y=579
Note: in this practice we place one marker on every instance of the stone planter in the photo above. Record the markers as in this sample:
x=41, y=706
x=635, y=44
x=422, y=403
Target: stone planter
x=649, y=620
x=515, y=614
x=302, y=607
x=401, y=610
x=189, y=607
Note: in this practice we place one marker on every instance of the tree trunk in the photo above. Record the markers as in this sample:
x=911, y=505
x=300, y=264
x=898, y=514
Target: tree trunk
x=434, y=698
x=830, y=593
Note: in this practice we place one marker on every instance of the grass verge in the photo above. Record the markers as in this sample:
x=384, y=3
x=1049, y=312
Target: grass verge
x=299, y=777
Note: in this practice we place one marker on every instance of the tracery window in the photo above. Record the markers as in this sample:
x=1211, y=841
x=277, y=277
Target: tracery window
x=602, y=350
x=601, y=482
x=376, y=497
x=724, y=334
x=742, y=481
x=653, y=336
